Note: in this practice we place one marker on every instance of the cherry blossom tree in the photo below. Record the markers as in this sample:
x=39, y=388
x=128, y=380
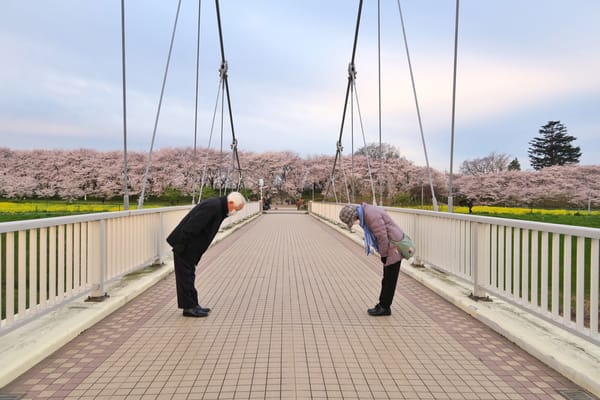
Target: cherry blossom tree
x=84, y=173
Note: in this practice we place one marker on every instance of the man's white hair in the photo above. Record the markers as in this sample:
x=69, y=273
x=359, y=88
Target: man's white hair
x=237, y=198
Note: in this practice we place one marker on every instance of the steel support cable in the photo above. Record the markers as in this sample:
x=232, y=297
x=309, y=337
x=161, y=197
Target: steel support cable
x=332, y=182
x=339, y=146
x=337, y=153
x=162, y=91
x=227, y=180
x=195, y=176
x=352, y=142
x=412, y=79
x=350, y=79
x=222, y=129
x=379, y=104
x=450, y=197
x=362, y=129
x=341, y=149
x=223, y=62
x=234, y=139
x=123, y=65
x=234, y=153
x=212, y=127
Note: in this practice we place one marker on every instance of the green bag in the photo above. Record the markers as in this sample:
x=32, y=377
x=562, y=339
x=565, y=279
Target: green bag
x=406, y=246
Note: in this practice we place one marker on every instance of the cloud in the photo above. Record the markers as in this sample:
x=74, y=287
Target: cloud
x=45, y=130
x=288, y=76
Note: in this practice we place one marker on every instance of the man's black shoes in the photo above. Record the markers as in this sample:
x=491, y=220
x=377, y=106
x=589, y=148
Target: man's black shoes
x=379, y=311
x=196, y=312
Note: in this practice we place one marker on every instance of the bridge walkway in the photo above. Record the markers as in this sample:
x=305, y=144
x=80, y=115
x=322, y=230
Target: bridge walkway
x=289, y=296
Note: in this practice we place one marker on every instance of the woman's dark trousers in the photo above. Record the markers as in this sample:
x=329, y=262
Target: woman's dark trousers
x=388, y=284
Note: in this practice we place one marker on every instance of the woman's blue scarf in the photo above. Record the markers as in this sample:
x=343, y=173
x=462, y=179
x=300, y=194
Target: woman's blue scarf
x=369, y=237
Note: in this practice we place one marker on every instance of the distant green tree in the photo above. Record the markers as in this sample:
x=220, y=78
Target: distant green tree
x=514, y=165
x=247, y=193
x=172, y=194
x=553, y=147
x=402, y=199
x=208, y=192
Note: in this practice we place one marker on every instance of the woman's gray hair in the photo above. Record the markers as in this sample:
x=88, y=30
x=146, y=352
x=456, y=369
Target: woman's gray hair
x=236, y=198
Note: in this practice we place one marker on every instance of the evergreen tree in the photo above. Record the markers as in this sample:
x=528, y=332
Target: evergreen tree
x=553, y=147
x=514, y=165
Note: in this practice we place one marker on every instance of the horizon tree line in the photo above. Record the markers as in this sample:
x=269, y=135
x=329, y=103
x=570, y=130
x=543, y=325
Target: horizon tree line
x=84, y=173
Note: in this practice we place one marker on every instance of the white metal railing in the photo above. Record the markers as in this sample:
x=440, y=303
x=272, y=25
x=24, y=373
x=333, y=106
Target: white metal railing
x=47, y=262
x=548, y=269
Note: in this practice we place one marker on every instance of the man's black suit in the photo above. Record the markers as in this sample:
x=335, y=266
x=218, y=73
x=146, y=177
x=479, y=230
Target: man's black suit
x=190, y=239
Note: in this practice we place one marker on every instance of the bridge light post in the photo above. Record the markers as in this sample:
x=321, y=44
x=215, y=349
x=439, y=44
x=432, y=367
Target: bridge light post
x=261, y=183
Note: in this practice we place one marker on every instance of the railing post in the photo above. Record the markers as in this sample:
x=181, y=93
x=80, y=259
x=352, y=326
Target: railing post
x=476, y=265
x=98, y=293
x=161, y=235
x=417, y=261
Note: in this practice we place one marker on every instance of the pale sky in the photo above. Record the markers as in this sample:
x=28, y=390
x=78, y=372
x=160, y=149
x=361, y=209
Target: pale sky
x=520, y=65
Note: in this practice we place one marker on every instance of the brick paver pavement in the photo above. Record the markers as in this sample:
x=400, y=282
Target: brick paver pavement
x=289, y=297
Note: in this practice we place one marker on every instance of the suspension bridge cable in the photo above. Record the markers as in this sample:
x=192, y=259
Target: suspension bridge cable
x=450, y=196
x=332, y=182
x=362, y=129
x=223, y=72
x=224, y=63
x=344, y=174
x=212, y=127
x=123, y=65
x=412, y=79
x=162, y=91
x=351, y=76
x=352, y=143
x=196, y=104
x=379, y=100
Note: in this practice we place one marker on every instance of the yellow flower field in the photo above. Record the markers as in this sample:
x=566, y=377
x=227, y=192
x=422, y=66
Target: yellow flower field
x=50, y=206
x=525, y=211
x=513, y=210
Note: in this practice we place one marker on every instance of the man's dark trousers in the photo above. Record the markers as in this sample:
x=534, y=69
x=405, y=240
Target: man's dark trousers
x=185, y=274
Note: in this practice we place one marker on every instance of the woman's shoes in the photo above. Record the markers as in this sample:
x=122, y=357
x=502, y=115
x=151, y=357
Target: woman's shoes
x=379, y=311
